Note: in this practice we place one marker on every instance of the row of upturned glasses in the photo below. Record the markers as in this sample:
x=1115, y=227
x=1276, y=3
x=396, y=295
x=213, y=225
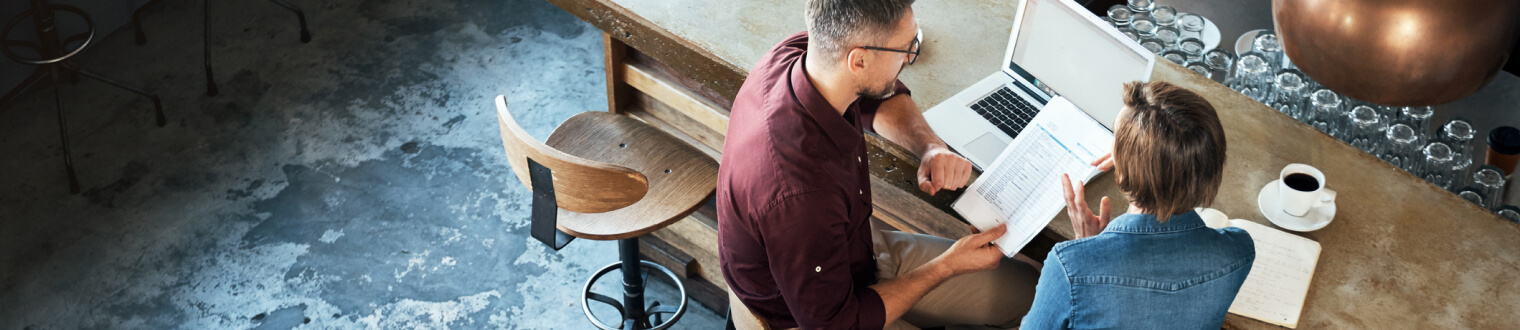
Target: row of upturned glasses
x=1402, y=136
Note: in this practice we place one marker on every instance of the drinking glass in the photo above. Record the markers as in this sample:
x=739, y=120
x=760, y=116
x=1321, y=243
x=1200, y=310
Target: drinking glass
x=1220, y=61
x=1193, y=47
x=1390, y=114
x=1401, y=144
x=1168, y=36
x=1144, y=26
x=1490, y=181
x=1120, y=15
x=1329, y=114
x=1130, y=32
x=1252, y=77
x=1458, y=133
x=1200, y=68
x=1366, y=129
x=1418, y=118
x=1152, y=44
x=1288, y=93
x=1176, y=56
x=1270, y=48
x=1141, y=6
x=1509, y=212
x=1471, y=194
x=1437, y=166
x=1191, y=25
x=1164, y=15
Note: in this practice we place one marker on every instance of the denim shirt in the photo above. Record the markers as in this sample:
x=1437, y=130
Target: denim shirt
x=1143, y=274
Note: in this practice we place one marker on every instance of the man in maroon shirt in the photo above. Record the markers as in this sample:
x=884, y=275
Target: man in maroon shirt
x=794, y=192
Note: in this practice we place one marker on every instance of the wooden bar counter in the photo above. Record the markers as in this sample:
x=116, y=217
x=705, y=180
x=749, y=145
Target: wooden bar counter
x=1401, y=253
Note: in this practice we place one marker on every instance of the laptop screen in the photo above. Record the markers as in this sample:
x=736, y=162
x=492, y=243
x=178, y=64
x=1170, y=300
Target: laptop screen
x=1079, y=56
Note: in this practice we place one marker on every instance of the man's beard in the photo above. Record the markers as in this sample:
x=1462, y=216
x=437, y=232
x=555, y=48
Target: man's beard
x=882, y=93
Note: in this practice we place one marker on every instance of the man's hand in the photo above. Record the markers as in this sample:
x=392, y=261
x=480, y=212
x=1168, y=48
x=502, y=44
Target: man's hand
x=1083, y=222
x=1104, y=163
x=973, y=253
x=941, y=168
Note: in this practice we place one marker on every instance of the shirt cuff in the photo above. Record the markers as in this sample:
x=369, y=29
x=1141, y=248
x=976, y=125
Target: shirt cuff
x=871, y=311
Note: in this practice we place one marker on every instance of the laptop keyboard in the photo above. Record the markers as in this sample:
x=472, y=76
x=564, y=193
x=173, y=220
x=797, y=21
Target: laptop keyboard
x=1006, y=110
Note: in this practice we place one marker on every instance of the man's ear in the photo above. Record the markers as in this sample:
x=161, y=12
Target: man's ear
x=856, y=60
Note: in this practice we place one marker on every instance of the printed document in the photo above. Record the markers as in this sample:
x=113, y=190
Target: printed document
x=1022, y=188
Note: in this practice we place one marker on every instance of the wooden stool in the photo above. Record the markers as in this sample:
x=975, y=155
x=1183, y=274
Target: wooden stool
x=650, y=179
x=740, y=318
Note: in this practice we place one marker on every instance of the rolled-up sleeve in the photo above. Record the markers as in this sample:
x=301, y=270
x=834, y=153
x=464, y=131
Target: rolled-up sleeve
x=868, y=107
x=812, y=270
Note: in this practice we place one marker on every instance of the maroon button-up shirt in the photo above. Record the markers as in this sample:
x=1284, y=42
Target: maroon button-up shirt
x=794, y=200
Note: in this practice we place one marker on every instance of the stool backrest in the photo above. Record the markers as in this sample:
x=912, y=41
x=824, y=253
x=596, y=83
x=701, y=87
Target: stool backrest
x=580, y=185
x=741, y=318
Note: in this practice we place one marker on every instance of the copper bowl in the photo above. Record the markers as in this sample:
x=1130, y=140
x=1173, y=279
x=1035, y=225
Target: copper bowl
x=1402, y=53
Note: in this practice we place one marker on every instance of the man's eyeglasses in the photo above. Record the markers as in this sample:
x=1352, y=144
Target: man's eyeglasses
x=912, y=50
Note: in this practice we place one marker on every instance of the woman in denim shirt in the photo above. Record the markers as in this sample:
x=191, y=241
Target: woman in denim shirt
x=1157, y=266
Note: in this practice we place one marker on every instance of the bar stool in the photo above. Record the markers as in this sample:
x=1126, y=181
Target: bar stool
x=54, y=63
x=741, y=318
x=605, y=176
x=142, y=38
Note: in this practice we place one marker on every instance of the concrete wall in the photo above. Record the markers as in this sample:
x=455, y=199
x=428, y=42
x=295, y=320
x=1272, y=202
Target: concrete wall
x=109, y=15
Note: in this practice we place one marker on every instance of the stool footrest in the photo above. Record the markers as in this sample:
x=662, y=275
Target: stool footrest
x=640, y=320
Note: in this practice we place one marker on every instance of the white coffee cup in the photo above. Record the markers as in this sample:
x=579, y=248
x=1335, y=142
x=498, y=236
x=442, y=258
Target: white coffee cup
x=1298, y=193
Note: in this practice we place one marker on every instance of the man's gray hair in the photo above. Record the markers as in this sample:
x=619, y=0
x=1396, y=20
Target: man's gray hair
x=836, y=25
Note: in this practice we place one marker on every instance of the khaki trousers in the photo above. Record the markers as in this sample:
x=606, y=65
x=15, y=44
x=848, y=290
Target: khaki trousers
x=996, y=298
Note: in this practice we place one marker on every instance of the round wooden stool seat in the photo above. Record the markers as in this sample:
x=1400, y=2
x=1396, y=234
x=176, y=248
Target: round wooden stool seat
x=679, y=176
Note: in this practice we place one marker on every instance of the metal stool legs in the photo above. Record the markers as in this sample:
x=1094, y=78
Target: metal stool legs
x=634, y=315
x=63, y=126
x=300, y=16
x=211, y=89
x=63, y=132
x=54, y=63
x=158, y=106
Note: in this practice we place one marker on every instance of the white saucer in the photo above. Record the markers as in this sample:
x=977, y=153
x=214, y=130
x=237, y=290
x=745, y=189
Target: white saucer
x=1210, y=36
x=1270, y=205
x=1247, y=41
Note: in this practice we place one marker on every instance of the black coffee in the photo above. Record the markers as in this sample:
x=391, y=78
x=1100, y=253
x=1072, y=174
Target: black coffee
x=1301, y=182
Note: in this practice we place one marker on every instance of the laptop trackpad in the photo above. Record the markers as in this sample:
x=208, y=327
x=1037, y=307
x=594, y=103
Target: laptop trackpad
x=985, y=148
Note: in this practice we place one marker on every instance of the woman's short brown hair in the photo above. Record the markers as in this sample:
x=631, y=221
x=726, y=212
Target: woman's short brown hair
x=1169, y=149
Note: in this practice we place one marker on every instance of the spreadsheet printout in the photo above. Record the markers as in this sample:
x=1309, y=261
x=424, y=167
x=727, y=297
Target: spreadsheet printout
x=1022, y=188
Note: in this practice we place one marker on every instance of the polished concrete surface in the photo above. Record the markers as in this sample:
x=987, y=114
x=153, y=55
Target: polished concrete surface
x=357, y=181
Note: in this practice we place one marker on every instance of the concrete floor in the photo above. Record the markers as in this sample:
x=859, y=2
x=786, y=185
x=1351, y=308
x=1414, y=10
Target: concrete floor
x=354, y=182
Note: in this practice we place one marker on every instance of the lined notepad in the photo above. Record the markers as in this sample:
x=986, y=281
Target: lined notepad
x=1275, y=289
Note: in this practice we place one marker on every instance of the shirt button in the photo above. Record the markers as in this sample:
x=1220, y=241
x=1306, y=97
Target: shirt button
x=857, y=159
x=818, y=269
x=862, y=192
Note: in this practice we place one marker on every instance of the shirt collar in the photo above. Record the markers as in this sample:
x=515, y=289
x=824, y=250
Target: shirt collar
x=1145, y=223
x=846, y=134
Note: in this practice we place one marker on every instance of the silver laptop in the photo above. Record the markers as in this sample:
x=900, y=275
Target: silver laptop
x=1071, y=51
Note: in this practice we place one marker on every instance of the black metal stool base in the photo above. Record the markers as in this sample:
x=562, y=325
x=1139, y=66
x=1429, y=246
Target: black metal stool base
x=634, y=315
x=54, y=64
x=211, y=90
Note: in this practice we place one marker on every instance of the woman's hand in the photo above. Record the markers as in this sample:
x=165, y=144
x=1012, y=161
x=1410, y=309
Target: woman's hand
x=1083, y=222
